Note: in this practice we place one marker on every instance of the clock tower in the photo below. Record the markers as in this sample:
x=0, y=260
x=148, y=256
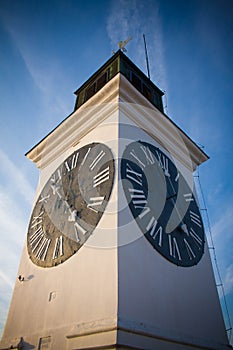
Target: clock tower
x=115, y=255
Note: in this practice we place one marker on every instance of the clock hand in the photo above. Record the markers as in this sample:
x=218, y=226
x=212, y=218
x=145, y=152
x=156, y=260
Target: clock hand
x=183, y=227
x=172, y=196
x=55, y=188
x=73, y=215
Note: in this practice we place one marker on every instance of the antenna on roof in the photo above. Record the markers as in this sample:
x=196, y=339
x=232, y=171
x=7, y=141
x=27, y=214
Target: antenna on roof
x=147, y=61
x=122, y=44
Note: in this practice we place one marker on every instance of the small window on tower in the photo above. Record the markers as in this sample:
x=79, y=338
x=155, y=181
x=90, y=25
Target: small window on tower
x=101, y=81
x=113, y=69
x=147, y=92
x=136, y=81
x=90, y=91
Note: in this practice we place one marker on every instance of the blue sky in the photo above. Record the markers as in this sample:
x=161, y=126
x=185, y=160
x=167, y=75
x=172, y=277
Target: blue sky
x=49, y=48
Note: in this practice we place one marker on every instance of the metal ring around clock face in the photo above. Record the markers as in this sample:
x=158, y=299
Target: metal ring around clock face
x=70, y=205
x=162, y=204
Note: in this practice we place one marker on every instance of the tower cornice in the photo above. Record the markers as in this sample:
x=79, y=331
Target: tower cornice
x=120, y=94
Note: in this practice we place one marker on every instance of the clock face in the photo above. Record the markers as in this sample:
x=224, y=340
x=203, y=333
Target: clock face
x=70, y=205
x=162, y=204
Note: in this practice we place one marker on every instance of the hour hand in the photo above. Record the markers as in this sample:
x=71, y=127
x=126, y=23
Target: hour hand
x=183, y=227
x=171, y=196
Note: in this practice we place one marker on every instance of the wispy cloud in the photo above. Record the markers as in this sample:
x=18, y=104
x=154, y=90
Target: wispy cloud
x=16, y=197
x=5, y=296
x=45, y=69
x=223, y=226
x=228, y=280
x=16, y=193
x=12, y=223
x=223, y=241
x=133, y=19
x=6, y=279
x=15, y=176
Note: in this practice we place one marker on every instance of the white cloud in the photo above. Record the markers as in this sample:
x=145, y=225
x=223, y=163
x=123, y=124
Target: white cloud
x=223, y=242
x=12, y=220
x=223, y=227
x=16, y=197
x=5, y=296
x=133, y=19
x=228, y=280
x=15, y=176
x=6, y=279
x=121, y=20
x=45, y=69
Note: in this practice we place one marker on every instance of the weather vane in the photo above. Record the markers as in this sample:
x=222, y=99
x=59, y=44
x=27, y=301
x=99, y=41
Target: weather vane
x=122, y=44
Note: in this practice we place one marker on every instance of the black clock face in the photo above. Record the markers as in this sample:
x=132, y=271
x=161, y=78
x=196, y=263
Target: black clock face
x=162, y=204
x=70, y=205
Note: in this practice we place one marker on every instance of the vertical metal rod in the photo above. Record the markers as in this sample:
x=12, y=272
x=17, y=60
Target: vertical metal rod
x=147, y=61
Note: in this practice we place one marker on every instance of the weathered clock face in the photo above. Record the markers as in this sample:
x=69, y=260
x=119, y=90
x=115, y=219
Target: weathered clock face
x=162, y=204
x=70, y=205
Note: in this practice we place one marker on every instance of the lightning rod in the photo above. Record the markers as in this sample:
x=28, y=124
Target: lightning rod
x=147, y=61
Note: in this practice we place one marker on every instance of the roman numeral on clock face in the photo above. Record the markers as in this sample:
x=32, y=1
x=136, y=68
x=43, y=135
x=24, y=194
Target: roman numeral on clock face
x=163, y=162
x=188, y=197
x=43, y=249
x=36, y=238
x=95, y=202
x=55, y=183
x=78, y=229
x=177, y=177
x=85, y=157
x=196, y=238
x=173, y=247
x=97, y=160
x=56, y=177
x=195, y=218
x=145, y=211
x=140, y=163
x=39, y=243
x=138, y=197
x=147, y=155
x=189, y=250
x=71, y=163
x=150, y=158
x=133, y=175
x=44, y=199
x=151, y=228
x=36, y=220
x=58, y=248
x=101, y=177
